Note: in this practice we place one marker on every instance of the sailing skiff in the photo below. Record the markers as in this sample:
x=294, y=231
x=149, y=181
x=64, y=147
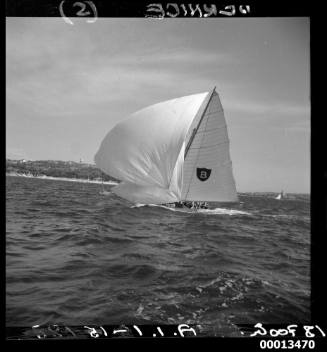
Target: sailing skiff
x=173, y=151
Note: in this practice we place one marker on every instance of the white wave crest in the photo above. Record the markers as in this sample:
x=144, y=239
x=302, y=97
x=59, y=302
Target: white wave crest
x=216, y=211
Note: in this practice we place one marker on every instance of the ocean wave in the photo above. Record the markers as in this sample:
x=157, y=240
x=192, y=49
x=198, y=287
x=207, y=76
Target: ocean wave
x=224, y=211
x=216, y=211
x=94, y=258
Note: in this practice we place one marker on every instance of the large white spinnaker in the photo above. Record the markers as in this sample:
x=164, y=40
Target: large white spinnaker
x=146, y=150
x=153, y=194
x=207, y=171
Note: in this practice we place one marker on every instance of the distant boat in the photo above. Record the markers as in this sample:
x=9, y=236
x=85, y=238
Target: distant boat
x=281, y=195
x=173, y=151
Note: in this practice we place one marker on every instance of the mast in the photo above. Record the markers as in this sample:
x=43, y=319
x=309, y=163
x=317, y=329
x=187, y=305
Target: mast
x=195, y=130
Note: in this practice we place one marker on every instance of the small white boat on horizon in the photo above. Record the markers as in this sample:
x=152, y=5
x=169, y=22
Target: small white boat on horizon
x=281, y=195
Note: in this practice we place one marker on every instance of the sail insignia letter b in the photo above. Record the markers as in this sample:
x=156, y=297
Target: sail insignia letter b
x=203, y=174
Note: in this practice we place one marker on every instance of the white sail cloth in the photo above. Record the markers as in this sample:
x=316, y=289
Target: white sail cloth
x=209, y=150
x=146, y=151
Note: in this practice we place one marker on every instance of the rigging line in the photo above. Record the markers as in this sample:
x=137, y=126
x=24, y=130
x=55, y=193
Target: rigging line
x=183, y=147
x=197, y=157
x=172, y=174
x=192, y=136
x=196, y=129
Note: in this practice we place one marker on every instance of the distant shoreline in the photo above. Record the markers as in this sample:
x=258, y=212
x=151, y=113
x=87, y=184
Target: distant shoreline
x=81, y=180
x=113, y=183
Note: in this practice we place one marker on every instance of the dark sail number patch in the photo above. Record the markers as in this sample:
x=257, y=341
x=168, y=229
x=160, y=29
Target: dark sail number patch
x=203, y=174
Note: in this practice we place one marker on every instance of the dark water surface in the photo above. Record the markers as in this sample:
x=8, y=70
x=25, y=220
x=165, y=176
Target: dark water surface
x=76, y=256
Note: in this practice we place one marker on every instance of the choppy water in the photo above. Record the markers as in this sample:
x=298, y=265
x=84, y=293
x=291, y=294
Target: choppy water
x=76, y=256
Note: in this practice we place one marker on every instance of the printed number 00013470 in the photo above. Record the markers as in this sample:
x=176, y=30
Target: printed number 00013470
x=287, y=344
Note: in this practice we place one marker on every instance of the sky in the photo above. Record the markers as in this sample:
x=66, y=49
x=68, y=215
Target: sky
x=68, y=85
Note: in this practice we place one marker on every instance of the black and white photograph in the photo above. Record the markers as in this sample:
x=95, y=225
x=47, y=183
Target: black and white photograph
x=157, y=173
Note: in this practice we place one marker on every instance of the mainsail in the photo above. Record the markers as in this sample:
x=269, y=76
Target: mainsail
x=171, y=151
x=208, y=174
